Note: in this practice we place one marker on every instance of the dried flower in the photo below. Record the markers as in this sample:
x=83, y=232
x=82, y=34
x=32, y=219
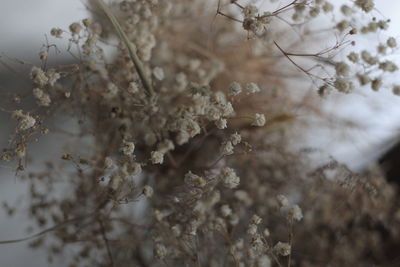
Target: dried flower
x=25, y=121
x=258, y=120
x=295, y=213
x=229, y=178
x=128, y=148
x=148, y=191
x=282, y=248
x=157, y=157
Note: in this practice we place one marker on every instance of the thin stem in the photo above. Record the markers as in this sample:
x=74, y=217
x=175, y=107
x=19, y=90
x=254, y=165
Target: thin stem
x=105, y=239
x=131, y=49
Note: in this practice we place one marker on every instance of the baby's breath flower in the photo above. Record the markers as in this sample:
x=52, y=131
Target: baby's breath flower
x=235, y=88
x=157, y=157
x=396, y=89
x=283, y=202
x=75, y=28
x=252, y=230
x=194, y=180
x=342, y=69
x=391, y=42
x=38, y=76
x=388, y=66
x=25, y=121
x=158, y=73
x=133, y=88
x=87, y=22
x=258, y=120
x=176, y=230
x=250, y=11
x=368, y=58
x=136, y=168
x=221, y=123
x=327, y=7
x=282, y=248
x=53, y=76
x=165, y=146
x=256, y=219
x=128, y=148
x=266, y=232
x=226, y=210
x=229, y=178
x=363, y=79
x=343, y=85
x=20, y=150
x=235, y=139
x=366, y=5
x=227, y=148
x=42, y=98
x=252, y=88
x=314, y=12
x=295, y=213
x=160, y=251
x=346, y=10
x=43, y=55
x=108, y=162
x=191, y=127
x=56, y=32
x=353, y=57
x=264, y=261
x=148, y=191
x=376, y=84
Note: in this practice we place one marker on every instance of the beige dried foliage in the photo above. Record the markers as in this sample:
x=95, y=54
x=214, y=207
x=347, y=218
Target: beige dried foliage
x=188, y=162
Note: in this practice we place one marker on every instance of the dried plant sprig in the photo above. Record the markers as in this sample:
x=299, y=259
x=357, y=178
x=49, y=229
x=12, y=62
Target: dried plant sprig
x=131, y=48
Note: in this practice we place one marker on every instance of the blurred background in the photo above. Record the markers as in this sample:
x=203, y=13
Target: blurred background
x=23, y=29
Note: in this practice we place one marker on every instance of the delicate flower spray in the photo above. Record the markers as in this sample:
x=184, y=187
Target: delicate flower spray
x=189, y=125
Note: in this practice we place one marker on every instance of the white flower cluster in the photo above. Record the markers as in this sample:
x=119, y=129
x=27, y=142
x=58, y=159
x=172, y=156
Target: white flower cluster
x=42, y=98
x=25, y=121
x=229, y=178
x=366, y=5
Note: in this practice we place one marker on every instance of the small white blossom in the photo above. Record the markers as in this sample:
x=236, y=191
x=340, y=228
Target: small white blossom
x=165, y=146
x=38, y=76
x=282, y=248
x=295, y=213
x=342, y=69
x=353, y=57
x=148, y=191
x=250, y=11
x=227, y=148
x=252, y=230
x=194, y=180
x=282, y=201
x=235, y=88
x=343, y=85
x=226, y=210
x=252, y=88
x=391, y=42
x=388, y=66
x=258, y=120
x=229, y=178
x=221, y=124
x=160, y=251
x=128, y=148
x=366, y=5
x=42, y=98
x=235, y=139
x=256, y=219
x=158, y=73
x=133, y=88
x=376, y=84
x=25, y=121
x=157, y=157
